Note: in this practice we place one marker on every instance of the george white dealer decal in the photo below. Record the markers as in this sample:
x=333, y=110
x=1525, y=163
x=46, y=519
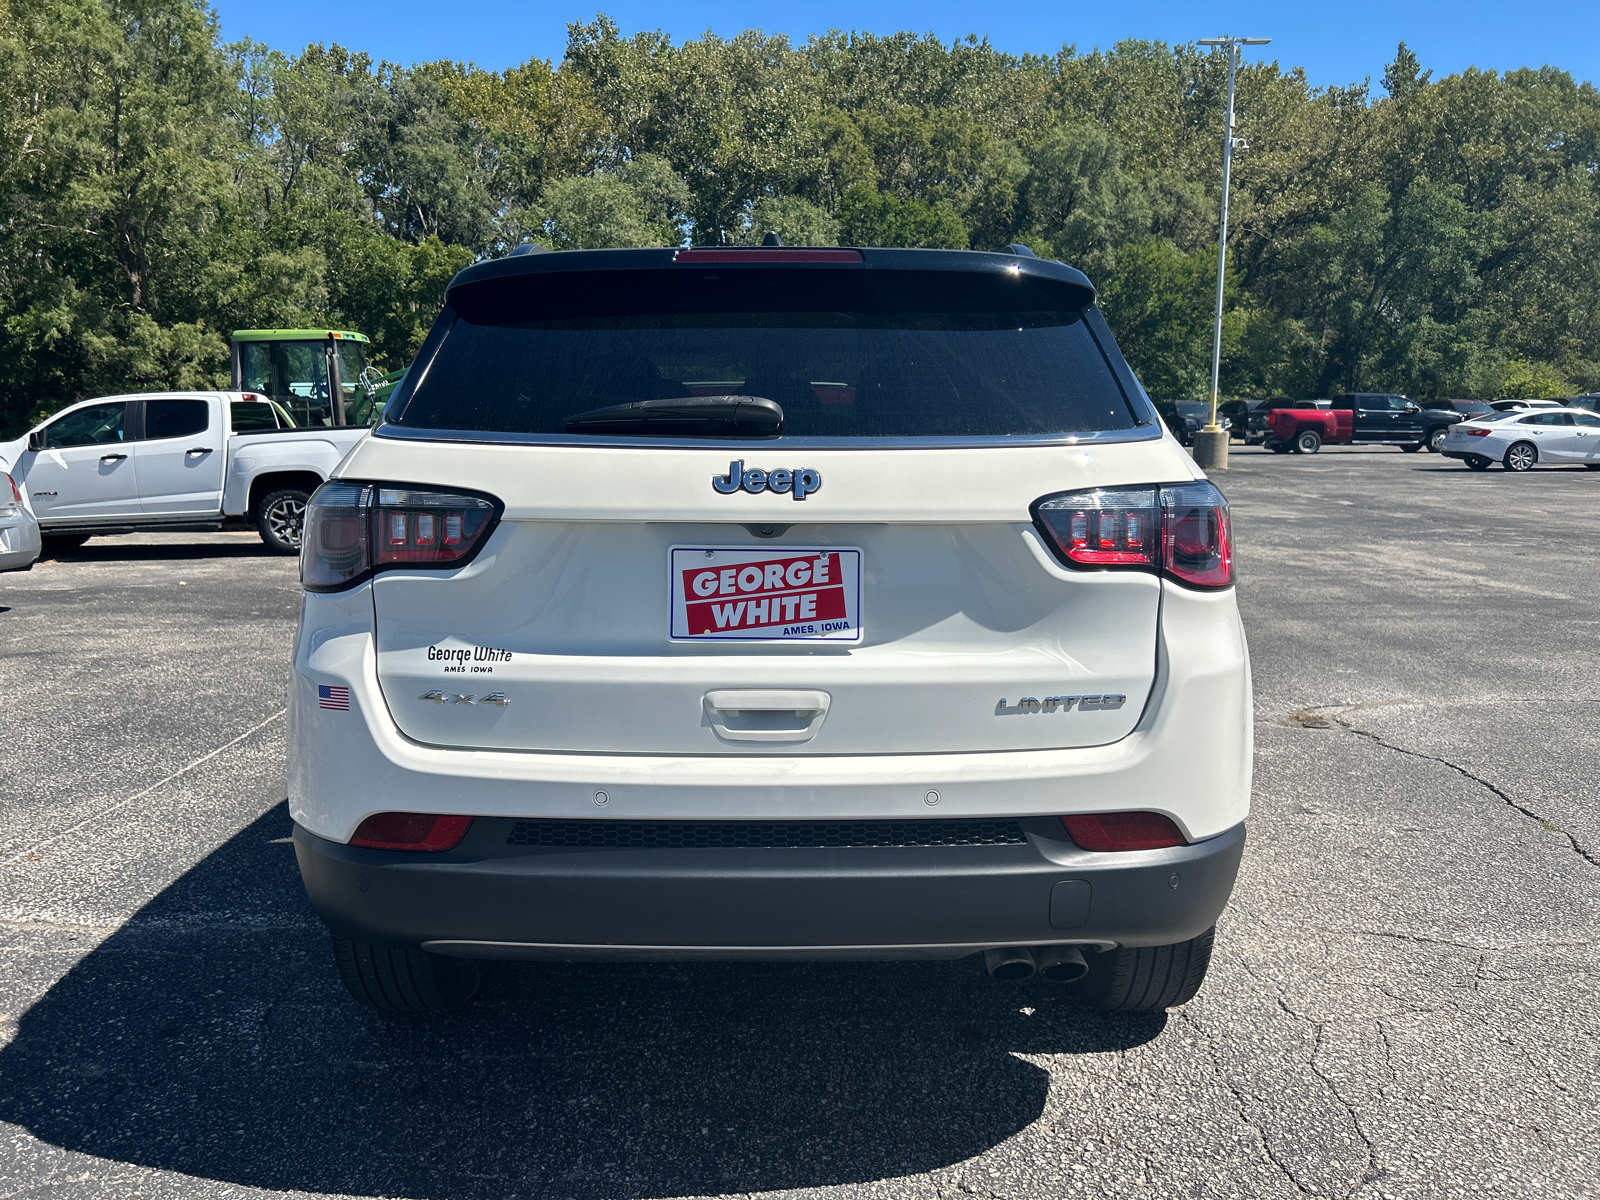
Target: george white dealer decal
x=461, y=660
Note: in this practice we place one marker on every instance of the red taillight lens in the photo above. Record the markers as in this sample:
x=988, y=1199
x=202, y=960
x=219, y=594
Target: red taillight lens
x=1479, y=432
x=1197, y=543
x=353, y=529
x=411, y=831
x=1181, y=530
x=1104, y=527
x=16, y=496
x=424, y=528
x=1123, y=831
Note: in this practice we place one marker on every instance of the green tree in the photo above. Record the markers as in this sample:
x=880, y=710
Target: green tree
x=870, y=218
x=640, y=205
x=1439, y=236
x=793, y=218
x=1079, y=203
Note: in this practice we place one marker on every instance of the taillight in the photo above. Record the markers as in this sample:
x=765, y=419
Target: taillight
x=1181, y=530
x=1123, y=831
x=16, y=496
x=1196, y=541
x=354, y=529
x=426, y=528
x=1478, y=432
x=1105, y=527
x=411, y=831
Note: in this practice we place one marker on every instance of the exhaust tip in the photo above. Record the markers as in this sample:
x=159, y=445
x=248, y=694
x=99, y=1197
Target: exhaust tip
x=1062, y=964
x=1009, y=962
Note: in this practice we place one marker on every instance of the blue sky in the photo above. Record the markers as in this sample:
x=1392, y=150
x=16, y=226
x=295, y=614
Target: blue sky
x=1337, y=41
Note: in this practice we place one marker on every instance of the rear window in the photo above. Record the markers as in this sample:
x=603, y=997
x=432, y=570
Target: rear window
x=251, y=415
x=894, y=354
x=175, y=418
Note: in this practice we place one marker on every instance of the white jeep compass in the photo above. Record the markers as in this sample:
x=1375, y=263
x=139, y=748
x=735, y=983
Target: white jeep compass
x=770, y=604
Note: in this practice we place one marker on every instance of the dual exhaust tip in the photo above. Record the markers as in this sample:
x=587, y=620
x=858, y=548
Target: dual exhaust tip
x=1058, y=964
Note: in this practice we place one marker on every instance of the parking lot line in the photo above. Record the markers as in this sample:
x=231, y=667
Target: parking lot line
x=111, y=808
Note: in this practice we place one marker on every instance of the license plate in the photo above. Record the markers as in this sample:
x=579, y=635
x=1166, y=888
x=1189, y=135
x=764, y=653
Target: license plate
x=727, y=595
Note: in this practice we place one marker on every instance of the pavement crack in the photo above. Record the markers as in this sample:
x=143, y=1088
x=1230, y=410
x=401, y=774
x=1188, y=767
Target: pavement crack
x=1578, y=848
x=1479, y=947
x=1370, y=1172
x=1240, y=1099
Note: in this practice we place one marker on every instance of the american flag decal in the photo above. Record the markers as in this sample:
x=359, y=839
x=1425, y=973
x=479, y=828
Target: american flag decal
x=336, y=698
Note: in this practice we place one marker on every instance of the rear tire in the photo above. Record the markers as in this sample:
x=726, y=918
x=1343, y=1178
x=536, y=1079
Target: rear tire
x=1521, y=457
x=404, y=981
x=280, y=519
x=1307, y=441
x=1476, y=462
x=1436, y=439
x=1146, y=978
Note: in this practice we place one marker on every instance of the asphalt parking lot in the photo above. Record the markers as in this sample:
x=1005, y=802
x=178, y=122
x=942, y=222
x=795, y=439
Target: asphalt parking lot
x=1404, y=1000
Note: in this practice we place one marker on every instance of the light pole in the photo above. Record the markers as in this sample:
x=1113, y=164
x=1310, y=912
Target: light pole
x=1211, y=443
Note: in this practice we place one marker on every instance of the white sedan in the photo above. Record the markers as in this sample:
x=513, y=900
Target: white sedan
x=1524, y=438
x=19, y=531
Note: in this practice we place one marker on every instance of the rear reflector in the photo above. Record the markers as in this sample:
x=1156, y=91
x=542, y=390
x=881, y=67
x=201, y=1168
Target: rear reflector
x=411, y=831
x=767, y=256
x=1123, y=831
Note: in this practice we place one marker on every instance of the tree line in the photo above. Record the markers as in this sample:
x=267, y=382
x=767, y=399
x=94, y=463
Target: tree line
x=159, y=188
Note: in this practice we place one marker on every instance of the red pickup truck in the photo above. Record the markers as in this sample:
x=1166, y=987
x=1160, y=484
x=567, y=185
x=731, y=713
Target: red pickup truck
x=1374, y=418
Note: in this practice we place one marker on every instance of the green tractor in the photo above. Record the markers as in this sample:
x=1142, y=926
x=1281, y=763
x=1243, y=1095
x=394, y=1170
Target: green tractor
x=320, y=376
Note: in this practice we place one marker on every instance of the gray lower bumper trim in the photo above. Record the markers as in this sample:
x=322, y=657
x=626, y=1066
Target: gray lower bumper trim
x=557, y=952
x=491, y=899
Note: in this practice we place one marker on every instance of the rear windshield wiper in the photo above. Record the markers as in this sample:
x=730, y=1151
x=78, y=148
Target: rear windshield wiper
x=693, y=416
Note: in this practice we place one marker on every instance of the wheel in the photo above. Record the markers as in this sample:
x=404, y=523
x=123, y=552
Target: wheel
x=52, y=544
x=1436, y=439
x=404, y=981
x=1521, y=457
x=1477, y=462
x=1146, y=978
x=1413, y=447
x=279, y=518
x=1307, y=441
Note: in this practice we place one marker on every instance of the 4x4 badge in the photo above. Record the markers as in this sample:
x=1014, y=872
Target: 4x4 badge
x=495, y=698
x=798, y=484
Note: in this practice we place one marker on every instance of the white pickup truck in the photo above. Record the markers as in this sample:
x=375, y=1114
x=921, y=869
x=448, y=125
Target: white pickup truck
x=173, y=460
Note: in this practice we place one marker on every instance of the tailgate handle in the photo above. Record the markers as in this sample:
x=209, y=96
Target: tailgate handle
x=767, y=715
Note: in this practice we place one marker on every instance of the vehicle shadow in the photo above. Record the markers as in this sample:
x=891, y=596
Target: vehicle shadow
x=1497, y=471
x=112, y=548
x=209, y=1036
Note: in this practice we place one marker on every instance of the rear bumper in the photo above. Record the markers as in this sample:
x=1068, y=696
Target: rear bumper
x=19, y=542
x=490, y=899
x=1189, y=757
